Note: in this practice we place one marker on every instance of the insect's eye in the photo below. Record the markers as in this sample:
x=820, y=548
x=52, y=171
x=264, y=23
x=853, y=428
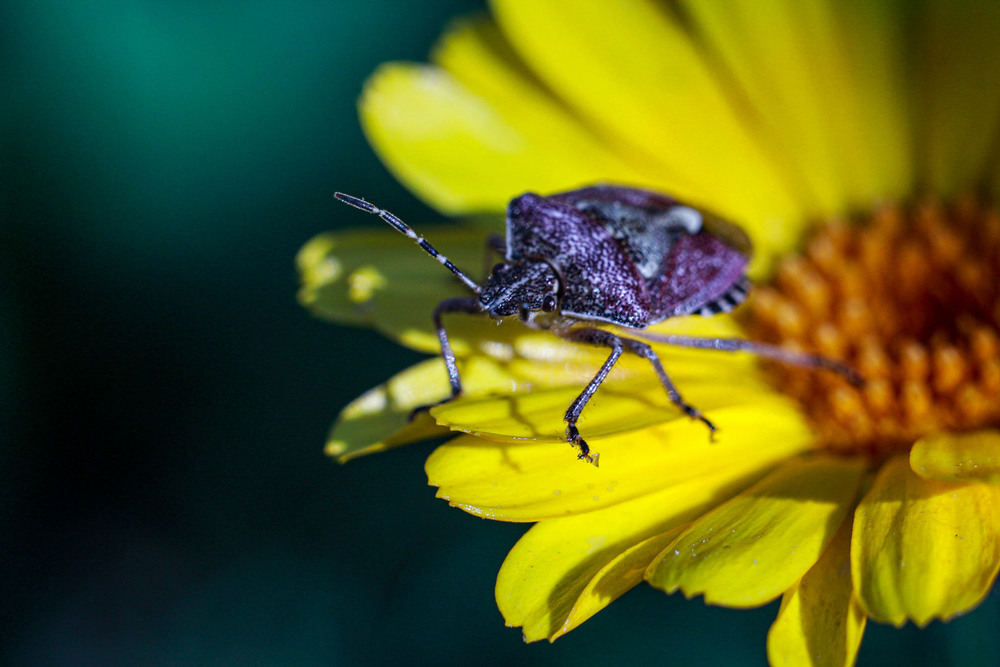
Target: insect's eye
x=549, y=303
x=498, y=267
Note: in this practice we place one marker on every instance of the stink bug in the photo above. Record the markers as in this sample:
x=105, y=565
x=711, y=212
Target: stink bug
x=615, y=255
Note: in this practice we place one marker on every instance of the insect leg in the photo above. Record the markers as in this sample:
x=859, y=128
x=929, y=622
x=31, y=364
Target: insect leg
x=457, y=305
x=591, y=337
x=496, y=246
x=764, y=350
x=496, y=243
x=643, y=350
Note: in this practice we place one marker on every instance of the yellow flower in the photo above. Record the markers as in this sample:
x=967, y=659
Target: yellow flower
x=849, y=504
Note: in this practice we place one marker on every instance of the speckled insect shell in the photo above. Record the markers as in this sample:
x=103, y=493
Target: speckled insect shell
x=629, y=256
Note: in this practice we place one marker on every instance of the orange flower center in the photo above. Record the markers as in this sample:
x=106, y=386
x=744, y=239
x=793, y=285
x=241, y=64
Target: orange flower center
x=911, y=299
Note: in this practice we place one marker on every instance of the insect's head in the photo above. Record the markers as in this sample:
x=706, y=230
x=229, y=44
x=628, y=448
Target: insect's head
x=519, y=289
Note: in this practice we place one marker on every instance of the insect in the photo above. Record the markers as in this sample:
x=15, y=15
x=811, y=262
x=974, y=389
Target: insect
x=608, y=254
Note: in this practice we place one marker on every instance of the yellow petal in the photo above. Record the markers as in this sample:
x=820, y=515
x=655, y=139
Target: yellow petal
x=820, y=622
x=478, y=56
x=825, y=86
x=379, y=278
x=957, y=92
x=350, y=439
x=620, y=406
x=924, y=549
x=563, y=571
x=557, y=586
x=530, y=481
x=750, y=550
x=612, y=581
x=877, y=117
x=460, y=153
x=379, y=419
x=632, y=72
x=958, y=457
x=624, y=401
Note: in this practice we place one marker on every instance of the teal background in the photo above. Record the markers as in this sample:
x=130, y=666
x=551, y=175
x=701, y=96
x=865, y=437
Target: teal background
x=164, y=400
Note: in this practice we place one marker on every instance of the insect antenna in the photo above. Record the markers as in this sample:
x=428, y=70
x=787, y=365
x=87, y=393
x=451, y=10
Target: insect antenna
x=403, y=228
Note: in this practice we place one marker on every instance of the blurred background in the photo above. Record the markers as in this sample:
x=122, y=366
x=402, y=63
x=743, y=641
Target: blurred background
x=164, y=400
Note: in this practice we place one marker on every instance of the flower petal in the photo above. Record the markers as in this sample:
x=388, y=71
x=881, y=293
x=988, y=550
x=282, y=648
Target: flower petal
x=465, y=152
x=564, y=570
x=621, y=404
x=820, y=621
x=847, y=152
x=530, y=481
x=957, y=93
x=632, y=71
x=551, y=588
x=630, y=402
x=924, y=549
x=379, y=419
x=619, y=576
x=379, y=278
x=478, y=56
x=750, y=550
x=958, y=457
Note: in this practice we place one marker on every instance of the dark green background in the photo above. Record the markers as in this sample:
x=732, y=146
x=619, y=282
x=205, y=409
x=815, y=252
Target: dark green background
x=164, y=400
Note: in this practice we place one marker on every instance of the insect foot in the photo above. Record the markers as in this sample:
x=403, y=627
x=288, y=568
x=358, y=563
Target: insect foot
x=575, y=439
x=695, y=413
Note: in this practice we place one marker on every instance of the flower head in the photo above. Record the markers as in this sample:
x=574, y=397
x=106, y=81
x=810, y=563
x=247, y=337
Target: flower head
x=852, y=140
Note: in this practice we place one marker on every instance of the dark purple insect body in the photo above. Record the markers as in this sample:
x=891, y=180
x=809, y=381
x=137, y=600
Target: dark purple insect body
x=615, y=255
x=618, y=255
